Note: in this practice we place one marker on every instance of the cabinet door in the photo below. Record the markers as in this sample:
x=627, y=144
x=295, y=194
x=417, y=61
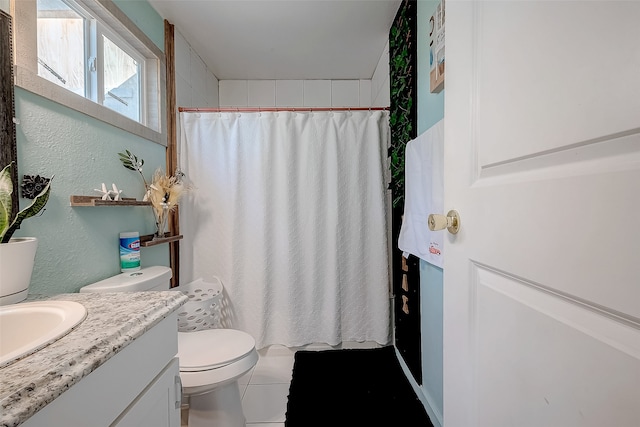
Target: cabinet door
x=158, y=405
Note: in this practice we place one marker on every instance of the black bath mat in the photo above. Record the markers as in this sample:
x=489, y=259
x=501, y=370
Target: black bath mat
x=352, y=388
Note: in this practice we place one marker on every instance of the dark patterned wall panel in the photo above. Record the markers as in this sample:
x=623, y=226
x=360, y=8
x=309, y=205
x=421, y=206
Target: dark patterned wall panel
x=403, y=81
x=7, y=127
x=402, y=120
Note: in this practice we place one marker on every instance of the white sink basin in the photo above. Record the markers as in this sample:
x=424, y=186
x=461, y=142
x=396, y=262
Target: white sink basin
x=27, y=327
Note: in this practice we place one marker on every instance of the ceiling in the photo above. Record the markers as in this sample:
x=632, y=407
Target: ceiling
x=284, y=39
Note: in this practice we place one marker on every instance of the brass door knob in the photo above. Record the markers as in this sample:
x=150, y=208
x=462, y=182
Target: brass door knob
x=439, y=222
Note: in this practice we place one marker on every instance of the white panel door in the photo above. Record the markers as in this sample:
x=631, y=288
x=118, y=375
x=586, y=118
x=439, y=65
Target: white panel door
x=542, y=162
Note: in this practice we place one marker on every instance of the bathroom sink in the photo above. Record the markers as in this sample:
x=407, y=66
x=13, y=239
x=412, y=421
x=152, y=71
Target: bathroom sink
x=28, y=327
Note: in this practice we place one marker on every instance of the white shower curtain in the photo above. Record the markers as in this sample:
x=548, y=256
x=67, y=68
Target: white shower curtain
x=288, y=210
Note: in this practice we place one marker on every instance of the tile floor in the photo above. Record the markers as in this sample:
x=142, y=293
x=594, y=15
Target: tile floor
x=265, y=388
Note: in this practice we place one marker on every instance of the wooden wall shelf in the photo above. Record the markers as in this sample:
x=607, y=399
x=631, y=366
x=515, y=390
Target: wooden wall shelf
x=97, y=201
x=148, y=240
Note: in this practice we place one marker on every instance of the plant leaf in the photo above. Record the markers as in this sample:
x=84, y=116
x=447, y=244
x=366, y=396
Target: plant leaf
x=35, y=207
x=129, y=160
x=4, y=221
x=6, y=189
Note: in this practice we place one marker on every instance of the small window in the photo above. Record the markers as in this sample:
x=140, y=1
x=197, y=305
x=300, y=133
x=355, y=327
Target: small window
x=61, y=45
x=108, y=67
x=80, y=53
x=121, y=88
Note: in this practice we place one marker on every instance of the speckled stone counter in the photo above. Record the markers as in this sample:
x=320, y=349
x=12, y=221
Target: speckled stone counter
x=113, y=321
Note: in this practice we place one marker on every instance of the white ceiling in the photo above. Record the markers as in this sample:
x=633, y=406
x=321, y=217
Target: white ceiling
x=284, y=39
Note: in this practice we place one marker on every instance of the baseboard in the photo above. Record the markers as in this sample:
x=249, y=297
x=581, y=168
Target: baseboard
x=427, y=401
x=342, y=346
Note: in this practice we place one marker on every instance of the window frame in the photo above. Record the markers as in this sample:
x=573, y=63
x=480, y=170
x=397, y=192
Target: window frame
x=103, y=31
x=152, y=125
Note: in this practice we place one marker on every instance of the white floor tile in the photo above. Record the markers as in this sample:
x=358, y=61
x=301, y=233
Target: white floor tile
x=246, y=378
x=265, y=403
x=243, y=389
x=276, y=350
x=274, y=368
x=365, y=344
x=316, y=347
x=265, y=388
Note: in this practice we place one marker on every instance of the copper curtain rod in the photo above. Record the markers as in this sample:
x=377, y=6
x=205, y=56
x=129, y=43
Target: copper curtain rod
x=275, y=109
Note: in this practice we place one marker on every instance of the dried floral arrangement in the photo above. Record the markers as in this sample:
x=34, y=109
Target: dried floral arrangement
x=164, y=192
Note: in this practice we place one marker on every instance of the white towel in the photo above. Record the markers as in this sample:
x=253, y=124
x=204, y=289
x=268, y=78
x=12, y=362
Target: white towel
x=423, y=189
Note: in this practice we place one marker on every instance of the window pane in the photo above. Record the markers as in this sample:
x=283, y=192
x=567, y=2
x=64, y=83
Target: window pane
x=121, y=81
x=61, y=45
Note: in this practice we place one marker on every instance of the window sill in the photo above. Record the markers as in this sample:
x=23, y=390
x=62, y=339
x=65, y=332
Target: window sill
x=31, y=82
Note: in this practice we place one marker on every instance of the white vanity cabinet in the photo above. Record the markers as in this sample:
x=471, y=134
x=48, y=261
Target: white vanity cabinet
x=138, y=386
x=158, y=405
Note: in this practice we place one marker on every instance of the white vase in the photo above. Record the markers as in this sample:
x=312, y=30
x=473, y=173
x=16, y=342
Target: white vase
x=16, y=265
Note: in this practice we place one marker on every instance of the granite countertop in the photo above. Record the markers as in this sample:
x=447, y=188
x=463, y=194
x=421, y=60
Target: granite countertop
x=113, y=321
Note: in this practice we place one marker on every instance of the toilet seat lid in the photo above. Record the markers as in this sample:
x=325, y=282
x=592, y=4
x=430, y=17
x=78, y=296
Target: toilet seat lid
x=212, y=348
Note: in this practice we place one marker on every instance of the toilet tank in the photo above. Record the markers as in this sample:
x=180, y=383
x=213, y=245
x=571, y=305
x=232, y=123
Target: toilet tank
x=154, y=278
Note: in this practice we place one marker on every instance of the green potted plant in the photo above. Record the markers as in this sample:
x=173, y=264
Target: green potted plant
x=17, y=255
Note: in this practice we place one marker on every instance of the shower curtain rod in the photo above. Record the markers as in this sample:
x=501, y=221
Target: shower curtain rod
x=275, y=109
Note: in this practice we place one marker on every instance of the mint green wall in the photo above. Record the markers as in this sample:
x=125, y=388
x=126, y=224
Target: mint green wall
x=79, y=245
x=430, y=111
x=430, y=105
x=146, y=18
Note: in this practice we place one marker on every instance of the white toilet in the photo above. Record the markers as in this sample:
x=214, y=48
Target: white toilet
x=211, y=360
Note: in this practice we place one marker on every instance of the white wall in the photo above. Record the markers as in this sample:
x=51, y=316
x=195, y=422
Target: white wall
x=295, y=93
x=310, y=93
x=196, y=86
x=380, y=90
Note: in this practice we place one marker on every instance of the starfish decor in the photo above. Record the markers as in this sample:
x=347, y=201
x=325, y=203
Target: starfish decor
x=113, y=194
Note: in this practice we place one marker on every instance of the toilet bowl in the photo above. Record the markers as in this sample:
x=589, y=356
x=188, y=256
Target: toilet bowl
x=210, y=379
x=211, y=360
